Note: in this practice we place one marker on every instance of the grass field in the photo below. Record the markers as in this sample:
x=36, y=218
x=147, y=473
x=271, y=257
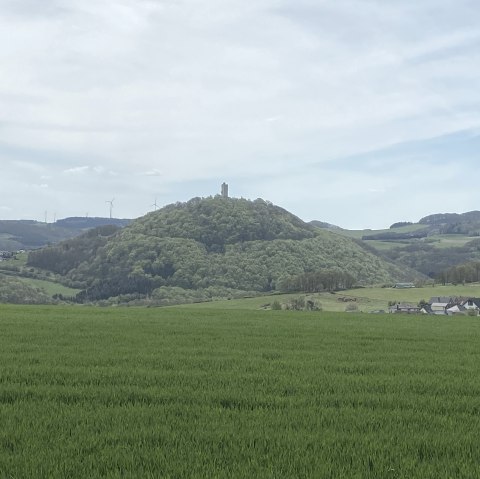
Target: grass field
x=180, y=393
x=438, y=241
x=49, y=287
x=367, y=299
x=359, y=234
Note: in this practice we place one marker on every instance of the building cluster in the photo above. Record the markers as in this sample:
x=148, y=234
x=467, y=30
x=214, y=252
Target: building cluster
x=4, y=255
x=440, y=305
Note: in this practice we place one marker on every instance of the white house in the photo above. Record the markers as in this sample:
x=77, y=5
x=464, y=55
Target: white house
x=439, y=304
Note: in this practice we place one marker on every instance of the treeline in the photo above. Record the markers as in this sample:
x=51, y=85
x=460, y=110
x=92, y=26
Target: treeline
x=451, y=218
x=464, y=273
x=400, y=224
x=426, y=258
x=317, y=281
x=453, y=223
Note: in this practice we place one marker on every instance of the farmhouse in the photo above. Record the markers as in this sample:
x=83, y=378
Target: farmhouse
x=471, y=304
x=404, y=308
x=439, y=304
x=449, y=305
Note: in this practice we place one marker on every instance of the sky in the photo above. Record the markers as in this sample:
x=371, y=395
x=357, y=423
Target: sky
x=360, y=113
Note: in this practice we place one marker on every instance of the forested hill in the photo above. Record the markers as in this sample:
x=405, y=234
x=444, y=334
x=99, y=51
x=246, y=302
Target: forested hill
x=208, y=248
x=218, y=222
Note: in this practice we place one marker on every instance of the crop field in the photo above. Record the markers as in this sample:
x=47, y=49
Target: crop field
x=198, y=393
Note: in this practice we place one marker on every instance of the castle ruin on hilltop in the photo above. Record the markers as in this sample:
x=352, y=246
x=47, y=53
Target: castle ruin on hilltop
x=224, y=192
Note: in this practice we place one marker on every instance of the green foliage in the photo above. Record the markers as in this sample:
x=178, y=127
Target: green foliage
x=276, y=305
x=213, y=243
x=435, y=244
x=216, y=222
x=422, y=303
x=463, y=273
x=326, y=280
x=431, y=260
x=89, y=392
x=15, y=291
x=296, y=304
x=401, y=224
x=71, y=253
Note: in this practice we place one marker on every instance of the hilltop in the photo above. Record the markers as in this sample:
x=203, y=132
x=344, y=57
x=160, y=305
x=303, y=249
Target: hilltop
x=209, y=248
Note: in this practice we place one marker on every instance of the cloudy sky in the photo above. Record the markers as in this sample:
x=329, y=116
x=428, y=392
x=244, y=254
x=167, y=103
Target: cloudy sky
x=356, y=112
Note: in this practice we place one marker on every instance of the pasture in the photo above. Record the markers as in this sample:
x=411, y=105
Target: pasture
x=198, y=393
x=367, y=299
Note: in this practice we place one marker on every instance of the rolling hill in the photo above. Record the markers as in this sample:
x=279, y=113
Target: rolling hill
x=435, y=243
x=18, y=235
x=208, y=248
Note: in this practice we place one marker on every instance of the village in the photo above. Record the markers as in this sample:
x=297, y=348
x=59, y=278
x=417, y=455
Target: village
x=6, y=255
x=440, y=305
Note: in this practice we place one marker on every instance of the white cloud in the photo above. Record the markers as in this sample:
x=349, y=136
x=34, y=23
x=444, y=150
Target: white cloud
x=76, y=170
x=155, y=93
x=154, y=172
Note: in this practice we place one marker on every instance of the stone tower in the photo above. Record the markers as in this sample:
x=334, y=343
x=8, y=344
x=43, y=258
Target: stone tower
x=224, y=190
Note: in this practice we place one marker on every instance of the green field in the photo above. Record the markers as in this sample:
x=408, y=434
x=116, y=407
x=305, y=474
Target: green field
x=180, y=393
x=437, y=240
x=50, y=287
x=359, y=234
x=367, y=299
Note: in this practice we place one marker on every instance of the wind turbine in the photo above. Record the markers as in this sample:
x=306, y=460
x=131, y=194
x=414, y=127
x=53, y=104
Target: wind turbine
x=155, y=204
x=111, y=206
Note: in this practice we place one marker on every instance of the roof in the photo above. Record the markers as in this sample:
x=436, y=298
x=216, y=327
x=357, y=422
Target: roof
x=456, y=307
x=404, y=307
x=427, y=309
x=441, y=299
x=475, y=301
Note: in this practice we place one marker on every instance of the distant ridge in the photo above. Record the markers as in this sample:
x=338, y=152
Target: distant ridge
x=30, y=234
x=82, y=222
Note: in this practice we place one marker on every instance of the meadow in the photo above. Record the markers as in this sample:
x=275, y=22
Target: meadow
x=198, y=393
x=367, y=299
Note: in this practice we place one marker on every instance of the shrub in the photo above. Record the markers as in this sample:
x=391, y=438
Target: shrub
x=351, y=307
x=276, y=305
